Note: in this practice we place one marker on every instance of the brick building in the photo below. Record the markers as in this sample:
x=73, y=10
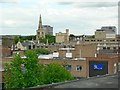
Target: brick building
x=85, y=67
x=79, y=50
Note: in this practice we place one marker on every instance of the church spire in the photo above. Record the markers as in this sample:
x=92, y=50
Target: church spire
x=40, y=23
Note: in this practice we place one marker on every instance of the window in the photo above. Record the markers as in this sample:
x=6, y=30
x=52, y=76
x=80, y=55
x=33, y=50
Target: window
x=112, y=40
x=38, y=33
x=78, y=68
x=69, y=67
x=108, y=48
x=29, y=46
x=86, y=40
x=42, y=33
x=118, y=66
x=114, y=47
x=104, y=47
x=38, y=47
x=118, y=47
x=33, y=46
x=64, y=46
x=46, y=46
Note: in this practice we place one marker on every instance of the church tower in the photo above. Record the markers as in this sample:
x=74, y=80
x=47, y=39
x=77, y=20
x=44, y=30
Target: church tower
x=40, y=31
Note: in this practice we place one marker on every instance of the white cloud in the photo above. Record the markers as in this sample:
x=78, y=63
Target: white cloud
x=9, y=22
x=47, y=1
x=79, y=20
x=9, y=1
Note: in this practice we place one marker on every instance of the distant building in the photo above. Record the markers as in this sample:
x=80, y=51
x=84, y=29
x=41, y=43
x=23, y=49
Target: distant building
x=106, y=32
x=48, y=29
x=43, y=30
x=27, y=45
x=5, y=51
x=8, y=40
x=83, y=67
x=87, y=67
x=62, y=37
x=78, y=51
x=40, y=31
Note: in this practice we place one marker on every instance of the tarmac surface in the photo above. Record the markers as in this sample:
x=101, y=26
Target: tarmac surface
x=94, y=82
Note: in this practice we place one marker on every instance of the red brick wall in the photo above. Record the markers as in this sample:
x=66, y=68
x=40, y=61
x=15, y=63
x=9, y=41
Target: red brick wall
x=111, y=62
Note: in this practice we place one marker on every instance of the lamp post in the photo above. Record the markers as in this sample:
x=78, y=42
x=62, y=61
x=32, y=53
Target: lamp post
x=23, y=68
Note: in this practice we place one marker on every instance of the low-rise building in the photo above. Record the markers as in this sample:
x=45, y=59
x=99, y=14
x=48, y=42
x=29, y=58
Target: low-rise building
x=106, y=32
x=62, y=37
x=84, y=67
x=87, y=67
x=79, y=51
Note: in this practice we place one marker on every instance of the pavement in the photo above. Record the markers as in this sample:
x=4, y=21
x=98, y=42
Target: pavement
x=94, y=82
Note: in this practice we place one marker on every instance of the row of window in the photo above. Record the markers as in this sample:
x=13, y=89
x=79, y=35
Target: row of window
x=103, y=40
x=108, y=48
x=69, y=67
x=78, y=68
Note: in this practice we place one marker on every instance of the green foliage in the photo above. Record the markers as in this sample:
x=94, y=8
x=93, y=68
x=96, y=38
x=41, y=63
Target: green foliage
x=56, y=73
x=24, y=38
x=43, y=40
x=49, y=38
x=16, y=39
x=72, y=35
x=27, y=72
x=32, y=75
x=42, y=51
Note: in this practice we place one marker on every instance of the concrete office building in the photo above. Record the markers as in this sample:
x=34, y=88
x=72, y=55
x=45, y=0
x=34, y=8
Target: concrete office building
x=48, y=29
x=106, y=32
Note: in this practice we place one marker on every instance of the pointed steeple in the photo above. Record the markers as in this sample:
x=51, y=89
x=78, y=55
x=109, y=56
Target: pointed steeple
x=40, y=23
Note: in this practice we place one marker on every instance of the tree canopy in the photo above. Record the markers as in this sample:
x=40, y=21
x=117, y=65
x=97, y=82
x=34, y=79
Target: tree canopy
x=23, y=72
x=55, y=72
x=28, y=72
x=40, y=51
x=48, y=39
x=24, y=38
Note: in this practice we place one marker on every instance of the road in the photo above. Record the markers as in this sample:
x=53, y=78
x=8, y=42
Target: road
x=96, y=82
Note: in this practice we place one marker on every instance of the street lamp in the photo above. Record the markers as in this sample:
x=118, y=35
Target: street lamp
x=23, y=68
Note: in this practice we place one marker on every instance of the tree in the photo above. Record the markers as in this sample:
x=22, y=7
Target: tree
x=42, y=40
x=23, y=72
x=50, y=38
x=55, y=72
x=24, y=38
x=16, y=39
x=71, y=37
x=42, y=51
x=27, y=72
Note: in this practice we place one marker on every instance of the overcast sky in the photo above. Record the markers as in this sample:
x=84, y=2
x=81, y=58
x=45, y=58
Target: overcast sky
x=20, y=17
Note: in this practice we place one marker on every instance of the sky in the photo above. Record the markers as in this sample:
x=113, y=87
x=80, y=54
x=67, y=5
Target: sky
x=21, y=17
